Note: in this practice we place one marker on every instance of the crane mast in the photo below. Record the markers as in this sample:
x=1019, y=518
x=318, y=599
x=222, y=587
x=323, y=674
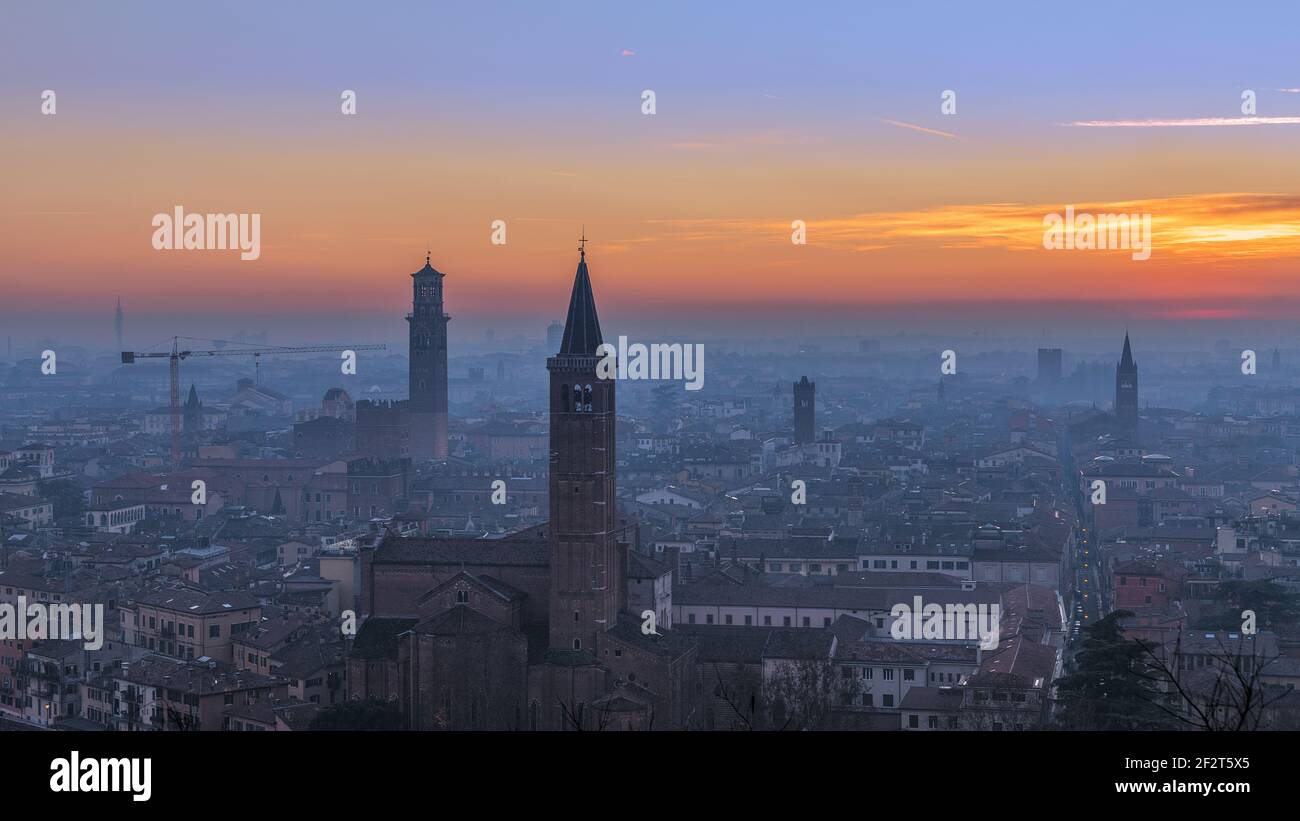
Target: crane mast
x=175, y=355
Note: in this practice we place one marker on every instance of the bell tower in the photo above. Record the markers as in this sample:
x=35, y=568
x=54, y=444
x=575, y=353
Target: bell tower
x=428, y=365
x=586, y=571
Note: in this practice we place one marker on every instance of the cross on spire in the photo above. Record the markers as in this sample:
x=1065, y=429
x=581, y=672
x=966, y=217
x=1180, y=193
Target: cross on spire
x=582, y=243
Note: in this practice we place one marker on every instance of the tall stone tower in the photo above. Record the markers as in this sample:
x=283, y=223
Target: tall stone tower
x=192, y=421
x=118, y=321
x=1126, y=389
x=805, y=404
x=586, y=570
x=428, y=375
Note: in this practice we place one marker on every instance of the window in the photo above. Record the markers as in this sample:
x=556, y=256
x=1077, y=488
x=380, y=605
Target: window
x=933, y=722
x=787, y=621
x=577, y=644
x=914, y=721
x=807, y=622
x=909, y=675
x=462, y=597
x=767, y=621
x=214, y=631
x=887, y=700
x=708, y=619
x=749, y=620
x=690, y=618
x=868, y=673
x=888, y=674
x=728, y=618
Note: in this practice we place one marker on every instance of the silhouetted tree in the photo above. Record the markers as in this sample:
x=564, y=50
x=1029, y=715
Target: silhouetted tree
x=1271, y=603
x=1112, y=687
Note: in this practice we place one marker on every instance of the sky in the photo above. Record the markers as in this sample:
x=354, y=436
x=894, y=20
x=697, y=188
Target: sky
x=765, y=113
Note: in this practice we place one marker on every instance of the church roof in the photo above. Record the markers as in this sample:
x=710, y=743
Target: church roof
x=472, y=552
x=665, y=642
x=582, y=327
x=377, y=637
x=460, y=620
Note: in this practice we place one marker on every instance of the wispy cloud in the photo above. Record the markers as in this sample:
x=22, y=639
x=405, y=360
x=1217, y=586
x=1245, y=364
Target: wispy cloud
x=1204, y=227
x=923, y=129
x=733, y=141
x=1186, y=122
x=627, y=52
x=1288, y=90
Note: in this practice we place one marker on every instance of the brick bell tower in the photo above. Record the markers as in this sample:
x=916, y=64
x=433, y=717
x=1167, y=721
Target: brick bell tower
x=1126, y=389
x=428, y=358
x=586, y=572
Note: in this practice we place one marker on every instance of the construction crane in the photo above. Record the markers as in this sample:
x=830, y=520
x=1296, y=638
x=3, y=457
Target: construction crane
x=175, y=355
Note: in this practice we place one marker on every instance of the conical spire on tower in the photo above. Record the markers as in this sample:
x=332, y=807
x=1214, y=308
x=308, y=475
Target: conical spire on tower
x=582, y=326
x=1126, y=358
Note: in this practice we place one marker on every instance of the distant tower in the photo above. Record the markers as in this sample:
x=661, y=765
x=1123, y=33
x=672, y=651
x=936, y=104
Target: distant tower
x=1049, y=365
x=428, y=373
x=805, y=405
x=1277, y=359
x=586, y=571
x=554, y=335
x=193, y=418
x=942, y=395
x=501, y=370
x=1126, y=388
x=117, y=324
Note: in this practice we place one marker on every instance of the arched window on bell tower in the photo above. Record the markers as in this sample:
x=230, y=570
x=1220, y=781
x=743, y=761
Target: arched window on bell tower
x=564, y=397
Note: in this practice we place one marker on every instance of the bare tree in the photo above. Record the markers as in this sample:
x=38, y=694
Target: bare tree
x=1227, y=693
x=798, y=694
x=740, y=716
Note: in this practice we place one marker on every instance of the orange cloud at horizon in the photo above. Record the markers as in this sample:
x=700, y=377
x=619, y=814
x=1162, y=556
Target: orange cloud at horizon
x=1211, y=227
